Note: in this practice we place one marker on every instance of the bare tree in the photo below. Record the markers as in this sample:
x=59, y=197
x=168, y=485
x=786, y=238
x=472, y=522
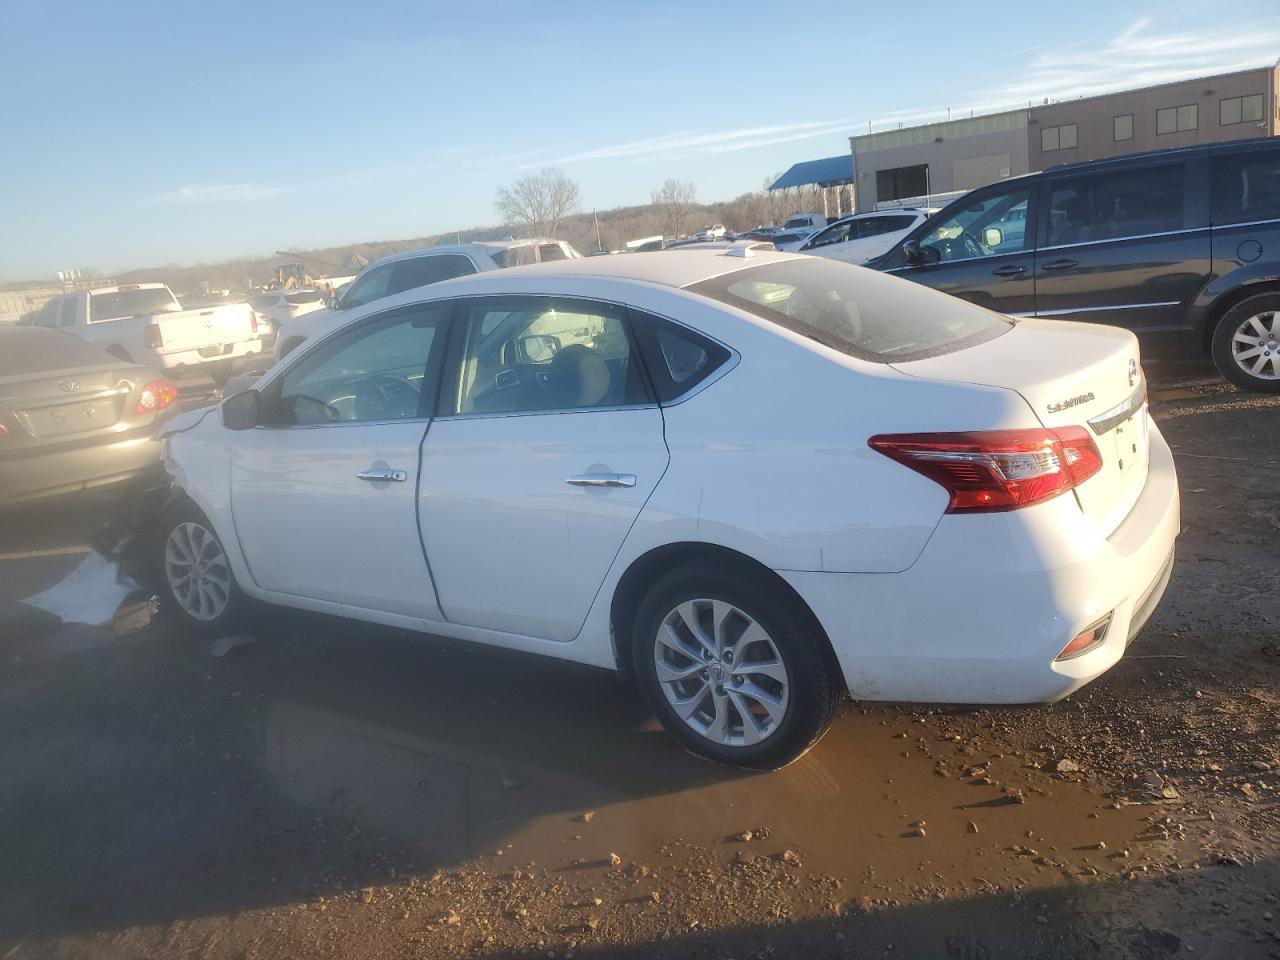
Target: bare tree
x=674, y=202
x=539, y=201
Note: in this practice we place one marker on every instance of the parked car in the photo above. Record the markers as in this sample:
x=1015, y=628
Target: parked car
x=800, y=222
x=715, y=232
x=740, y=243
x=73, y=416
x=864, y=236
x=760, y=233
x=276, y=307
x=415, y=268
x=756, y=479
x=144, y=322
x=1180, y=246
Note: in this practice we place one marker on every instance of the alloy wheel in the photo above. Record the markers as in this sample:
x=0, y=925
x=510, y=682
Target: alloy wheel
x=1255, y=345
x=721, y=672
x=197, y=571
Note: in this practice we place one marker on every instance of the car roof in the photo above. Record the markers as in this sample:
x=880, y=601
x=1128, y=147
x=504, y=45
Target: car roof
x=486, y=247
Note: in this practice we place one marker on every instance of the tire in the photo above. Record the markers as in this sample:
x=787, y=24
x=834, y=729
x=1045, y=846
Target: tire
x=214, y=605
x=790, y=707
x=1246, y=343
x=120, y=353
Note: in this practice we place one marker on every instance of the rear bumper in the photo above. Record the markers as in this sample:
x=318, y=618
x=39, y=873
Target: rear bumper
x=992, y=600
x=71, y=467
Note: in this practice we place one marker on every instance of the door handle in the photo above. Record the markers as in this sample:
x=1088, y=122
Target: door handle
x=1063, y=264
x=1008, y=271
x=602, y=480
x=397, y=475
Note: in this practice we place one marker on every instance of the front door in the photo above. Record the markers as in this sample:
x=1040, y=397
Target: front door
x=548, y=446
x=324, y=492
x=982, y=252
x=1123, y=247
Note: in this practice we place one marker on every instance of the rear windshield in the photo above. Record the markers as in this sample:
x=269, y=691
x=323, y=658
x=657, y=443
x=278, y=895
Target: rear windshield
x=865, y=314
x=24, y=351
x=304, y=296
x=130, y=303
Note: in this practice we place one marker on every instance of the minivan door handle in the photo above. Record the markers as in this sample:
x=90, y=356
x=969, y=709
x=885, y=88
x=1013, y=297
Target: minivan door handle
x=1063, y=264
x=602, y=480
x=1008, y=271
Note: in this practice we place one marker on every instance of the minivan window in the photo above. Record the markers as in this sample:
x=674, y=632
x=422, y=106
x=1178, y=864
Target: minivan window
x=1109, y=206
x=1246, y=186
x=866, y=315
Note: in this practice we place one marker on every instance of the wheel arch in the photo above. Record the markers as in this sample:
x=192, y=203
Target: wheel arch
x=645, y=570
x=1228, y=300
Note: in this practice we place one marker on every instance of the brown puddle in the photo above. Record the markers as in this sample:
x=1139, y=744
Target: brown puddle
x=491, y=754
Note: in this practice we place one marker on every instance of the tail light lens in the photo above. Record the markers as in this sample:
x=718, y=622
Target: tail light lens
x=155, y=396
x=996, y=470
x=4, y=431
x=152, y=338
x=253, y=321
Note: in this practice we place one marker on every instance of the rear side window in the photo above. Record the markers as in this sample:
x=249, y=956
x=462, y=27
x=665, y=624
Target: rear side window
x=422, y=271
x=1109, y=206
x=1246, y=186
x=677, y=358
x=550, y=251
x=515, y=256
x=866, y=315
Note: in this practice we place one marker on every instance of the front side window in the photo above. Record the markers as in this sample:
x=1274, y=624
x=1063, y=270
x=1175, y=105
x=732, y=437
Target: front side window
x=368, y=288
x=1127, y=203
x=1246, y=186
x=1178, y=119
x=376, y=371
x=837, y=234
x=539, y=354
x=1122, y=127
x=423, y=271
x=859, y=312
x=993, y=225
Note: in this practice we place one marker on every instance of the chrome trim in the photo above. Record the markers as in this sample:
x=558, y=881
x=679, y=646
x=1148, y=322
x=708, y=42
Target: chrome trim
x=340, y=423
x=397, y=475
x=1137, y=236
x=1122, y=411
x=563, y=411
x=1030, y=251
x=1102, y=309
x=1246, y=223
x=67, y=399
x=602, y=480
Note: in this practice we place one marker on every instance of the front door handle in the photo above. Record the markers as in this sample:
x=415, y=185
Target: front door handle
x=602, y=480
x=398, y=475
x=1008, y=271
x=1064, y=264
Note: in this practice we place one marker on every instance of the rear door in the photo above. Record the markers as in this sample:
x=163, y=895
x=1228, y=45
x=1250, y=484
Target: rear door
x=549, y=444
x=980, y=250
x=1128, y=246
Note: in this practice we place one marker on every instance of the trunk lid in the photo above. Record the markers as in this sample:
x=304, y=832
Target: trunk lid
x=71, y=404
x=212, y=331
x=1071, y=374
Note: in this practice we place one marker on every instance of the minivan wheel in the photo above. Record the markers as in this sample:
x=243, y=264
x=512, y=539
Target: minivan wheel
x=1246, y=343
x=736, y=670
x=197, y=583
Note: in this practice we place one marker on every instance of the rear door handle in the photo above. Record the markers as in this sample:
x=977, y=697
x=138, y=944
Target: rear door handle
x=602, y=480
x=397, y=475
x=1059, y=264
x=1008, y=271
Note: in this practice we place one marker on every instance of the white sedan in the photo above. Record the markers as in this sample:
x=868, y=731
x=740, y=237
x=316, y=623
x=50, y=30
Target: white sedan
x=864, y=236
x=758, y=480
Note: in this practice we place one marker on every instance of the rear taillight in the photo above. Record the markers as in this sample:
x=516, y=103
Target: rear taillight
x=152, y=338
x=155, y=396
x=253, y=322
x=996, y=470
x=4, y=431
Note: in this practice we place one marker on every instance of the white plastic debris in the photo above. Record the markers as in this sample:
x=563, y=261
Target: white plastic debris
x=90, y=594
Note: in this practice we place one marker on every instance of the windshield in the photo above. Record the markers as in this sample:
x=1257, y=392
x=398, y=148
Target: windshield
x=864, y=314
x=141, y=302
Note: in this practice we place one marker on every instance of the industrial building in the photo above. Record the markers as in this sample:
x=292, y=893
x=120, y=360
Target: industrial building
x=926, y=163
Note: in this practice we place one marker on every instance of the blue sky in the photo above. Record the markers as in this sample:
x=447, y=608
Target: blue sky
x=139, y=133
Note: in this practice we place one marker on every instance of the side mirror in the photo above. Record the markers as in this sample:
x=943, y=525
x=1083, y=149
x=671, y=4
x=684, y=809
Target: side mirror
x=911, y=250
x=240, y=411
x=332, y=303
x=993, y=236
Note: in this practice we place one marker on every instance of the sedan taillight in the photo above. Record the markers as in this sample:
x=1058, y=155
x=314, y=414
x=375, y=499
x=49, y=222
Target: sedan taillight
x=995, y=470
x=155, y=396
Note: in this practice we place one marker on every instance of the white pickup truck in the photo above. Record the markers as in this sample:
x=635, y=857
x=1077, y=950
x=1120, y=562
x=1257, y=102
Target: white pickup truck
x=144, y=323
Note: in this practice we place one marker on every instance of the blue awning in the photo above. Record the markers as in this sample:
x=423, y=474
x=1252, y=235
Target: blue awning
x=827, y=172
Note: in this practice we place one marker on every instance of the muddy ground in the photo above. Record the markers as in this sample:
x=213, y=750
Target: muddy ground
x=338, y=790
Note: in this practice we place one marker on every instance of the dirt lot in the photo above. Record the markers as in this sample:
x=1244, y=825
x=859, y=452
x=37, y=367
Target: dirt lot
x=336, y=790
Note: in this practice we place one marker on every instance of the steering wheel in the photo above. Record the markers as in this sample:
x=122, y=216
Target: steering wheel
x=385, y=396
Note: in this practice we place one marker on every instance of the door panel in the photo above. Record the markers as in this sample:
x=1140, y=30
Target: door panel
x=513, y=545
x=1005, y=284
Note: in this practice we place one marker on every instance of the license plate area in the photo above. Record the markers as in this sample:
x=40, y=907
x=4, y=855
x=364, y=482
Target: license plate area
x=217, y=350
x=1130, y=439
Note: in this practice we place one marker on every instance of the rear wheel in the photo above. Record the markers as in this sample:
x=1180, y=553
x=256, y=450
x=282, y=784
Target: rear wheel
x=735, y=668
x=195, y=574
x=1246, y=343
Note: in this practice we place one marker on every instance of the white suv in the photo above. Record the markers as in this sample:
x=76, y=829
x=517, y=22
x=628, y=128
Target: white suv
x=864, y=236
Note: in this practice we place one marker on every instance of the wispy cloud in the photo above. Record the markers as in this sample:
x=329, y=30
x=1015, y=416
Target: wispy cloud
x=213, y=193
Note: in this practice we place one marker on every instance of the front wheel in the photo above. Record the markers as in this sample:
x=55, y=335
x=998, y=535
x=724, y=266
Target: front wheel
x=735, y=667
x=1246, y=343
x=195, y=574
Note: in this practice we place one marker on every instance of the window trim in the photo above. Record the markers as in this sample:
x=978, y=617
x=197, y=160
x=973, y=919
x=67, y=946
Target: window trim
x=723, y=368
x=1122, y=116
x=1176, y=128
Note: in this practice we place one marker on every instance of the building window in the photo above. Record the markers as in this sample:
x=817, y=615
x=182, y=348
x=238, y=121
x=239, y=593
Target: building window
x=1122, y=126
x=1178, y=119
x=1240, y=109
x=1058, y=138
x=899, y=183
